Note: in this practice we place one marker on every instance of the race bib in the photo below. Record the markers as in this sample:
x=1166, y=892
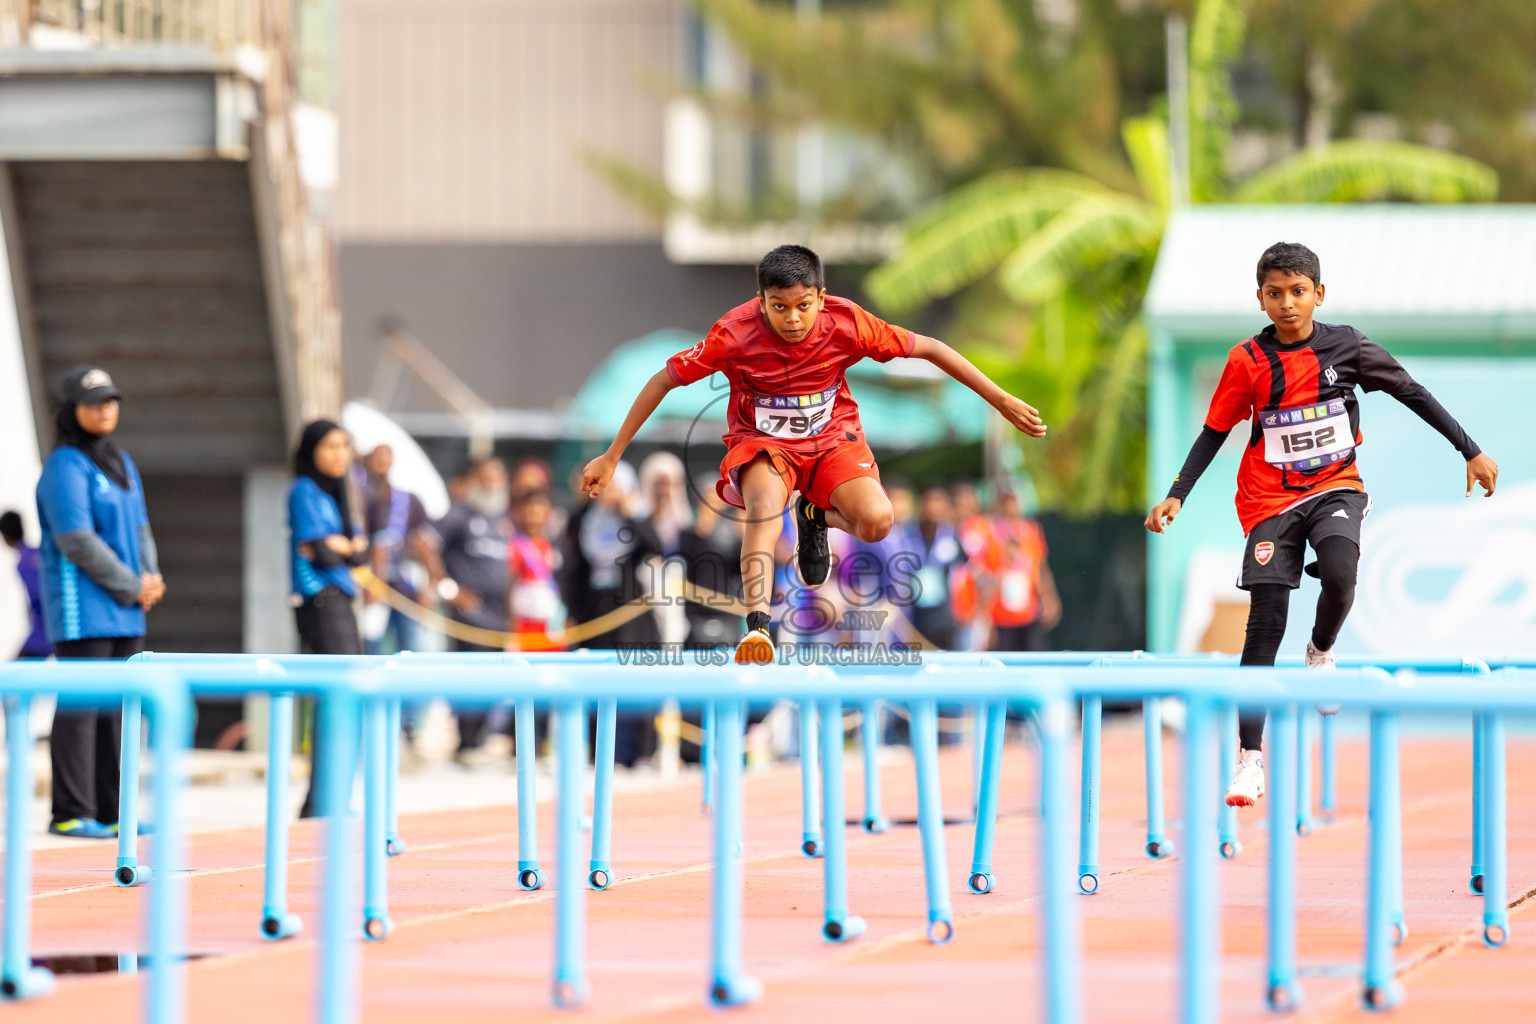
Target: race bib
x=1307, y=438
x=794, y=415
x=1015, y=590
x=535, y=601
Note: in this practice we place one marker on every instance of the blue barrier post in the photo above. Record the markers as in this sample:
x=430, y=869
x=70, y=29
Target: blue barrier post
x=276, y=922
x=1479, y=784
x=1283, y=993
x=991, y=741
x=837, y=924
x=1382, y=990
x=529, y=875
x=1152, y=732
x=1495, y=881
x=930, y=818
x=810, y=806
x=602, y=795
x=1200, y=942
x=729, y=986
x=339, y=717
x=978, y=755
x=18, y=978
x=570, y=984
x=394, y=846
x=869, y=731
x=129, y=871
x=707, y=755
x=1328, y=796
x=1303, y=823
x=1226, y=746
x=1088, y=831
x=376, y=922
x=1060, y=943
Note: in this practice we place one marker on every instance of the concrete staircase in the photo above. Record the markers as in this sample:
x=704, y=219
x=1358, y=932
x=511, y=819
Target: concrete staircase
x=156, y=226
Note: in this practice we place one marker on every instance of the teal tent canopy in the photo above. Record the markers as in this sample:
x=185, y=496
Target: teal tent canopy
x=904, y=404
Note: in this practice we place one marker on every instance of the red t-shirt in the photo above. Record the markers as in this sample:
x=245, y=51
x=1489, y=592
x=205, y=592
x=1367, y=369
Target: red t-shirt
x=795, y=394
x=536, y=607
x=1263, y=374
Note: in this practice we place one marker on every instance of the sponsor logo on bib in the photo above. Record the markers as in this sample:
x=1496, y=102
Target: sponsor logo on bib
x=1263, y=552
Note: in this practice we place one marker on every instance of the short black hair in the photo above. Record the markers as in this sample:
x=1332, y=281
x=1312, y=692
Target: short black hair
x=1293, y=258
x=10, y=526
x=789, y=265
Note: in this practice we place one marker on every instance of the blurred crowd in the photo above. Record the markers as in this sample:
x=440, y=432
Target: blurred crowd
x=963, y=569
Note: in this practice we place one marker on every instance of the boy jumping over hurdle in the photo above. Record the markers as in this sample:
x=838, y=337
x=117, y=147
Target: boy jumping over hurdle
x=792, y=424
x=1298, y=482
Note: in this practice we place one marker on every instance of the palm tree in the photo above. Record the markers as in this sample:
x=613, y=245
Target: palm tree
x=1076, y=253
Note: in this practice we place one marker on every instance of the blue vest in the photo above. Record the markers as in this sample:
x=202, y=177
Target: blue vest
x=74, y=495
x=312, y=517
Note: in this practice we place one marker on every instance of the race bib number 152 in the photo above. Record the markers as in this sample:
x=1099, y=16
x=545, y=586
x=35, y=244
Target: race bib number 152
x=794, y=415
x=1308, y=437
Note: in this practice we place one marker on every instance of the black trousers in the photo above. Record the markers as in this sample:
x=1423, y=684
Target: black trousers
x=86, y=743
x=327, y=625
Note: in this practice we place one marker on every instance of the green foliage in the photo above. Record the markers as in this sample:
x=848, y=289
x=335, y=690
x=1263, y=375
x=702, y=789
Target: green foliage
x=1366, y=170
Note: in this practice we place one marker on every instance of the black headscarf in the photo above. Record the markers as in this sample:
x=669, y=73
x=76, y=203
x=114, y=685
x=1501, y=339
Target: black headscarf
x=304, y=465
x=108, y=457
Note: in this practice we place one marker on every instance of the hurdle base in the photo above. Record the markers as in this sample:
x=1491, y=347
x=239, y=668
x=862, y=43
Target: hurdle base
x=394, y=846
x=981, y=881
x=1283, y=996
x=280, y=925
x=601, y=875
x=32, y=983
x=131, y=874
x=529, y=876
x=1087, y=879
x=1159, y=847
x=1378, y=998
x=844, y=930
x=739, y=991
x=377, y=926
x=875, y=826
x=811, y=846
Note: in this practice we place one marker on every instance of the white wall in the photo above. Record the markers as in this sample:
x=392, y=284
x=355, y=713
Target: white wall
x=19, y=463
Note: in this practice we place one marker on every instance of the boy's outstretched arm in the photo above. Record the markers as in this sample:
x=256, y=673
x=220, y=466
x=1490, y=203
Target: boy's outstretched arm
x=600, y=470
x=1200, y=455
x=1015, y=410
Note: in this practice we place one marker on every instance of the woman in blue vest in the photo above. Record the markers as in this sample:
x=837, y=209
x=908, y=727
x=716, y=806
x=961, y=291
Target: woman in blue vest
x=324, y=542
x=100, y=575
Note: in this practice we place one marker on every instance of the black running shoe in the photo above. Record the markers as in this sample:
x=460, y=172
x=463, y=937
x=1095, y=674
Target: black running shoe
x=812, y=555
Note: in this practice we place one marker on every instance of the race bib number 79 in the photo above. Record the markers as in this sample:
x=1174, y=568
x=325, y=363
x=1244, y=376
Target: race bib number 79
x=1307, y=438
x=793, y=416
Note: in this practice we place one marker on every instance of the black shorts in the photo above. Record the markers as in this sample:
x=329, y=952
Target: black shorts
x=1277, y=547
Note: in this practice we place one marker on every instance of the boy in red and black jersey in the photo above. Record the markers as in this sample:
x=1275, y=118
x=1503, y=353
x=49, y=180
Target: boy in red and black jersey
x=791, y=423
x=1298, y=482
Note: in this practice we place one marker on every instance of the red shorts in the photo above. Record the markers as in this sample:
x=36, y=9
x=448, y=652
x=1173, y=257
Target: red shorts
x=814, y=474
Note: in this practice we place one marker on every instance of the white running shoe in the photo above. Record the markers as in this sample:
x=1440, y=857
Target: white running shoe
x=1322, y=660
x=1247, y=780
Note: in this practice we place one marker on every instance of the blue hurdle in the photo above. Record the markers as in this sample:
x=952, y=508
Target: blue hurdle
x=165, y=697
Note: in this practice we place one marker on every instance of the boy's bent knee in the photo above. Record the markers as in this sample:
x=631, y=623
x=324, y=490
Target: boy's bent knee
x=872, y=529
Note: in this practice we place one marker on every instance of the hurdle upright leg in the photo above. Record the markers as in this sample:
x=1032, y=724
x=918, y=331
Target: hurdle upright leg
x=1381, y=989
x=165, y=991
x=1088, y=831
x=810, y=804
x=837, y=924
x=601, y=873
x=978, y=754
x=1303, y=823
x=570, y=982
x=129, y=871
x=529, y=874
x=1479, y=784
x=1226, y=817
x=930, y=818
x=1152, y=732
x=1060, y=940
x=729, y=986
x=1328, y=795
x=18, y=978
x=869, y=731
x=981, y=880
x=1200, y=939
x=707, y=755
x=1283, y=992
x=394, y=846
x=339, y=725
x=376, y=922
x=276, y=921
x=1495, y=850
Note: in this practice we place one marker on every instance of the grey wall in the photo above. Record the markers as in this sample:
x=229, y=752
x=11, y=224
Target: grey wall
x=524, y=324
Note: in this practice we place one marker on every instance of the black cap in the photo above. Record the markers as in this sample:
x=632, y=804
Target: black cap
x=89, y=385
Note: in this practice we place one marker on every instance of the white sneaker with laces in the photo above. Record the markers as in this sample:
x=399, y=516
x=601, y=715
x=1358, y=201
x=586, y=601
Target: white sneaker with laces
x=1322, y=660
x=1247, y=780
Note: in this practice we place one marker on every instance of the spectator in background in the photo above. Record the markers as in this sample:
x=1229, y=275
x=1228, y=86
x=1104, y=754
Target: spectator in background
x=538, y=616
x=607, y=546
x=939, y=558
x=100, y=575
x=973, y=629
x=469, y=569
x=1023, y=603
x=28, y=567
x=395, y=521
x=663, y=504
x=711, y=552
x=325, y=542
